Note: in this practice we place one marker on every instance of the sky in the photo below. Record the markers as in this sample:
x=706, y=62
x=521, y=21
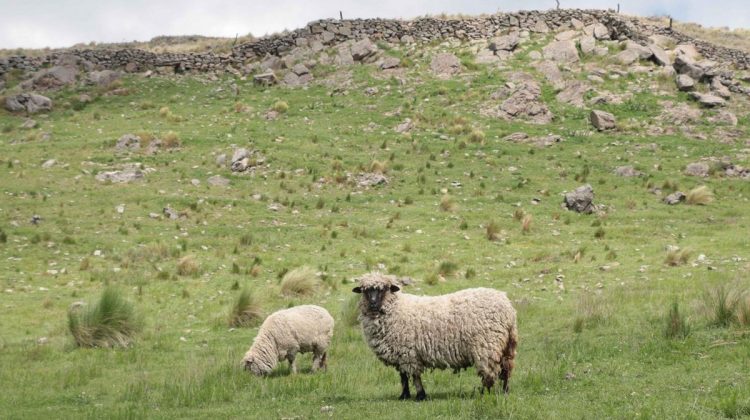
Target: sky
x=63, y=23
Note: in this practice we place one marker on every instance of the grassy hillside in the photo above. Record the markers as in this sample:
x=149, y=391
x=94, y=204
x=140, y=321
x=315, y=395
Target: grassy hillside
x=593, y=292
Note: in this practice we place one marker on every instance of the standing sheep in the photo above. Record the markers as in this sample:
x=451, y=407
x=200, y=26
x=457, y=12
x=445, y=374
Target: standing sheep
x=472, y=327
x=302, y=329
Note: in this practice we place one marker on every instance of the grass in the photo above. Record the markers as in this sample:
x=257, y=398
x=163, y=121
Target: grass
x=676, y=324
x=109, y=322
x=617, y=288
x=302, y=281
x=246, y=310
x=188, y=266
x=699, y=196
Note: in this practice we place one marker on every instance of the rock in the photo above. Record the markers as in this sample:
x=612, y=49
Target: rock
x=221, y=159
x=566, y=35
x=659, y=56
x=535, y=55
x=602, y=120
x=35, y=219
x=271, y=63
x=661, y=41
x=128, y=142
x=29, y=102
x=600, y=31
x=405, y=126
x=561, y=52
x=525, y=102
x=292, y=79
x=218, y=181
x=700, y=169
x=371, y=91
x=685, y=83
x=679, y=114
x=573, y=93
x=363, y=50
x=627, y=171
x=445, y=65
x=644, y=53
x=53, y=77
x=267, y=79
x=581, y=199
x=551, y=72
x=300, y=70
x=49, y=163
x=724, y=117
x=707, y=100
x=675, y=198
x=244, y=159
x=120, y=177
x=504, y=43
x=390, y=63
x=485, y=56
x=540, y=27
x=371, y=179
x=576, y=24
x=543, y=141
x=683, y=64
x=103, y=78
x=627, y=57
x=29, y=124
x=587, y=43
x=719, y=89
x=687, y=50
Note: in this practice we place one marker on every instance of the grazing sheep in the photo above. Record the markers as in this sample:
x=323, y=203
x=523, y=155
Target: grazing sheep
x=472, y=327
x=302, y=329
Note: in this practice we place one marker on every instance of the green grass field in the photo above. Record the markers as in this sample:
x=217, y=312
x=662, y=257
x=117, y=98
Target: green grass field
x=594, y=347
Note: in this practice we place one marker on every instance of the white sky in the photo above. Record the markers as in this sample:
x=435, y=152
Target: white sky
x=62, y=23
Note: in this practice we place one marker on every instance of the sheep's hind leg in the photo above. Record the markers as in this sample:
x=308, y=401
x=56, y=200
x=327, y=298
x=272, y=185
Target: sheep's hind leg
x=421, y=395
x=405, y=393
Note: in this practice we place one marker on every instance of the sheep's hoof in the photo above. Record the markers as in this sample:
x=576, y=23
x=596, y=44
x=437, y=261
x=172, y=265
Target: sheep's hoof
x=404, y=396
x=421, y=396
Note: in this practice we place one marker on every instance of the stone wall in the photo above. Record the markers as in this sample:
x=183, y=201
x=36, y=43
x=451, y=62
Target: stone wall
x=332, y=32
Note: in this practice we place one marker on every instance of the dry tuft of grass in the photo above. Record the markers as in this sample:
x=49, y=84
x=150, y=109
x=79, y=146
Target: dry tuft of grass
x=448, y=204
x=492, y=231
x=378, y=167
x=677, y=257
x=171, y=139
x=726, y=305
x=110, y=322
x=526, y=223
x=165, y=112
x=188, y=267
x=280, y=107
x=477, y=136
x=302, y=281
x=246, y=310
x=699, y=196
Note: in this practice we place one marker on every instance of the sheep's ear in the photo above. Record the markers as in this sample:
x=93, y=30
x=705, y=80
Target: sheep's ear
x=394, y=288
x=357, y=290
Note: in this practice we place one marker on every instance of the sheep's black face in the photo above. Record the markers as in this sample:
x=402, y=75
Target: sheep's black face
x=374, y=296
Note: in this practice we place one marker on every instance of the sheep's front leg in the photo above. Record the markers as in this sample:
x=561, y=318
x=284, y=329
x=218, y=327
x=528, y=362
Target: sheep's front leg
x=405, y=393
x=421, y=395
x=292, y=362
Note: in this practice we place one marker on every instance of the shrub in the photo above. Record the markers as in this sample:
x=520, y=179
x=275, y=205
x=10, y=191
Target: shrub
x=492, y=231
x=477, y=136
x=699, y=196
x=280, y=107
x=677, y=257
x=676, y=324
x=111, y=322
x=164, y=111
x=246, y=310
x=171, y=139
x=447, y=203
x=187, y=266
x=378, y=167
x=299, y=282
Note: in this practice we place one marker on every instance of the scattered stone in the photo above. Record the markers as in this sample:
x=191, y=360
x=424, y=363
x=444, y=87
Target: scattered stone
x=524, y=101
x=128, y=142
x=370, y=179
x=701, y=169
x=390, y=63
x=28, y=124
x=300, y=69
x=627, y=171
x=504, y=43
x=266, y=79
x=561, y=52
x=602, y=120
x=588, y=44
x=675, y=198
x=724, y=117
x=659, y=56
x=543, y=141
x=120, y=177
x=685, y=83
x=218, y=181
x=103, y=78
x=29, y=102
x=600, y=31
x=626, y=57
x=49, y=163
x=581, y=199
x=707, y=100
x=244, y=160
x=170, y=213
x=52, y=78
x=363, y=50
x=405, y=126
x=573, y=93
x=719, y=89
x=445, y=65
x=679, y=114
x=551, y=72
x=540, y=27
x=566, y=35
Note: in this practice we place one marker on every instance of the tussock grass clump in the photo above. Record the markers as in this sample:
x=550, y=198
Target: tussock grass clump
x=188, y=267
x=110, y=322
x=301, y=281
x=727, y=305
x=165, y=112
x=350, y=310
x=591, y=311
x=676, y=323
x=677, y=257
x=447, y=268
x=171, y=139
x=448, y=204
x=492, y=231
x=699, y=196
x=246, y=310
x=280, y=107
x=378, y=167
x=526, y=223
x=3, y=237
x=477, y=136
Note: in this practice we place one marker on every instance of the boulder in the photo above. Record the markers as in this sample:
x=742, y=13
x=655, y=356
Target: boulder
x=128, y=142
x=120, y=177
x=29, y=102
x=719, y=89
x=504, y=43
x=390, y=63
x=659, y=56
x=103, y=78
x=300, y=70
x=561, y=52
x=700, y=169
x=675, y=198
x=53, y=77
x=724, y=117
x=600, y=31
x=627, y=171
x=644, y=53
x=685, y=83
x=573, y=93
x=363, y=50
x=445, y=65
x=627, y=57
x=581, y=199
x=588, y=44
x=551, y=72
x=525, y=102
x=566, y=35
x=708, y=100
x=602, y=120
x=267, y=78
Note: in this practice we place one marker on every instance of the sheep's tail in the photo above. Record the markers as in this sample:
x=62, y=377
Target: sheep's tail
x=509, y=354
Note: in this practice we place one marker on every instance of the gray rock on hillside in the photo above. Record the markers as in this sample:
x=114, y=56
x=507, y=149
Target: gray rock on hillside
x=627, y=171
x=128, y=142
x=573, y=93
x=120, y=177
x=363, y=50
x=581, y=200
x=685, y=83
x=29, y=102
x=266, y=79
x=659, y=56
x=700, y=169
x=445, y=65
x=104, y=77
x=561, y=52
x=504, y=43
x=675, y=198
x=708, y=100
x=602, y=120
x=52, y=78
x=525, y=102
x=390, y=63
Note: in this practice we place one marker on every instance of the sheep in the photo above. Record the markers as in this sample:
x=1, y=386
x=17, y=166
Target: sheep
x=472, y=327
x=301, y=329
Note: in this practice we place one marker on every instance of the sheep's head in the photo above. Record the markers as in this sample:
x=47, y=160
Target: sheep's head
x=375, y=289
x=250, y=363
